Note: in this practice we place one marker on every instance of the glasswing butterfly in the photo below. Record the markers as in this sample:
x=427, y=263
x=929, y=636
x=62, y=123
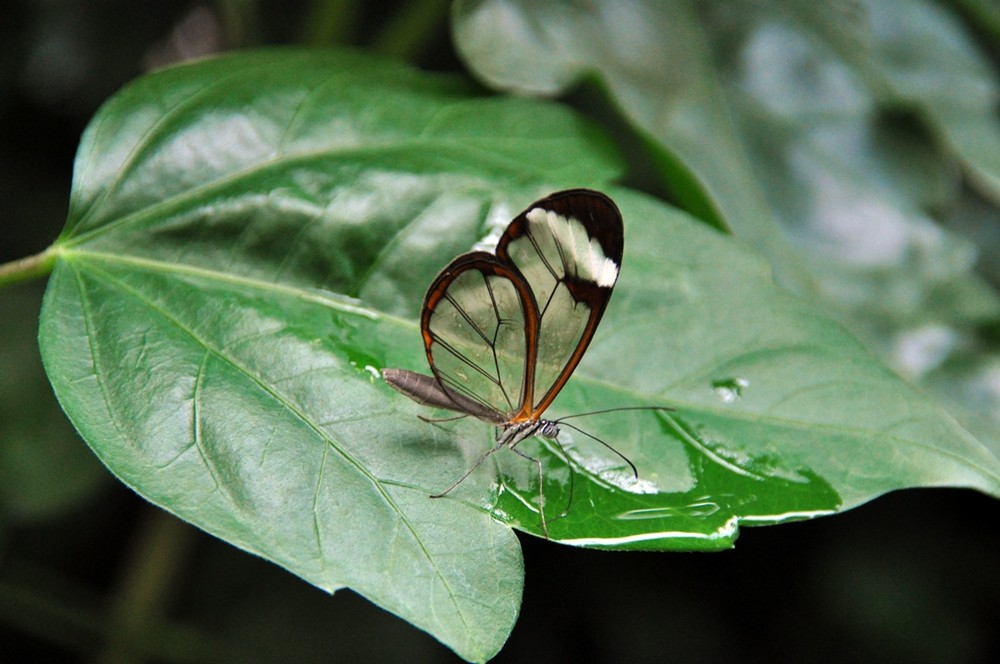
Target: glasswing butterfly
x=504, y=331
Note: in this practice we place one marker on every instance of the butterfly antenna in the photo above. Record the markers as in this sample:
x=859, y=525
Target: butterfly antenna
x=610, y=410
x=461, y=479
x=631, y=465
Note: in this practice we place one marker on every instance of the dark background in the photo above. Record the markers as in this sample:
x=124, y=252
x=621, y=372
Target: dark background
x=911, y=577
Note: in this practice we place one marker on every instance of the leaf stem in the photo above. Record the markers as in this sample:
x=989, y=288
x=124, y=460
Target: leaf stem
x=31, y=267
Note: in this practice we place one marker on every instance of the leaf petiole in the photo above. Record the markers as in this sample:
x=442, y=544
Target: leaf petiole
x=30, y=267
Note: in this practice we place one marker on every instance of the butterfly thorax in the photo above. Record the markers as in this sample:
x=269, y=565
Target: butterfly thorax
x=513, y=433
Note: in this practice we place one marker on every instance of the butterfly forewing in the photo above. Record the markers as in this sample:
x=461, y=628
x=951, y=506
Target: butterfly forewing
x=474, y=322
x=568, y=247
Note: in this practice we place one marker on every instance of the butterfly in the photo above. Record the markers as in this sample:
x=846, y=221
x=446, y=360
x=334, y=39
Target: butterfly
x=504, y=331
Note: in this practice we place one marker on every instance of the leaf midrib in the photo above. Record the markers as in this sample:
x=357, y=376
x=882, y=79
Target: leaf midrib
x=691, y=406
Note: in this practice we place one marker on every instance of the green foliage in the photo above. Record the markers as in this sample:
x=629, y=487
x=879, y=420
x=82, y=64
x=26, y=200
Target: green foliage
x=248, y=242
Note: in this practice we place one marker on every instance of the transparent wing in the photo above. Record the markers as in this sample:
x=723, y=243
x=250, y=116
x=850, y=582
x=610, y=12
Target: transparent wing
x=506, y=331
x=568, y=248
x=480, y=325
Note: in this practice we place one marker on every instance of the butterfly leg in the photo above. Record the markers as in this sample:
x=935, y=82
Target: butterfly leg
x=541, y=492
x=569, y=465
x=439, y=420
x=461, y=479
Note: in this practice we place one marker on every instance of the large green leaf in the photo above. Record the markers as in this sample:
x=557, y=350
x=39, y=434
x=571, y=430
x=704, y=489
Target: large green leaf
x=248, y=244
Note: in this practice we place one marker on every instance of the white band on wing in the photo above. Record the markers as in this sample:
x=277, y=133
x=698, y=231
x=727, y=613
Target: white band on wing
x=585, y=252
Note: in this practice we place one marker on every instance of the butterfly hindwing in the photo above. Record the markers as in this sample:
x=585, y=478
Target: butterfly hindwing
x=479, y=326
